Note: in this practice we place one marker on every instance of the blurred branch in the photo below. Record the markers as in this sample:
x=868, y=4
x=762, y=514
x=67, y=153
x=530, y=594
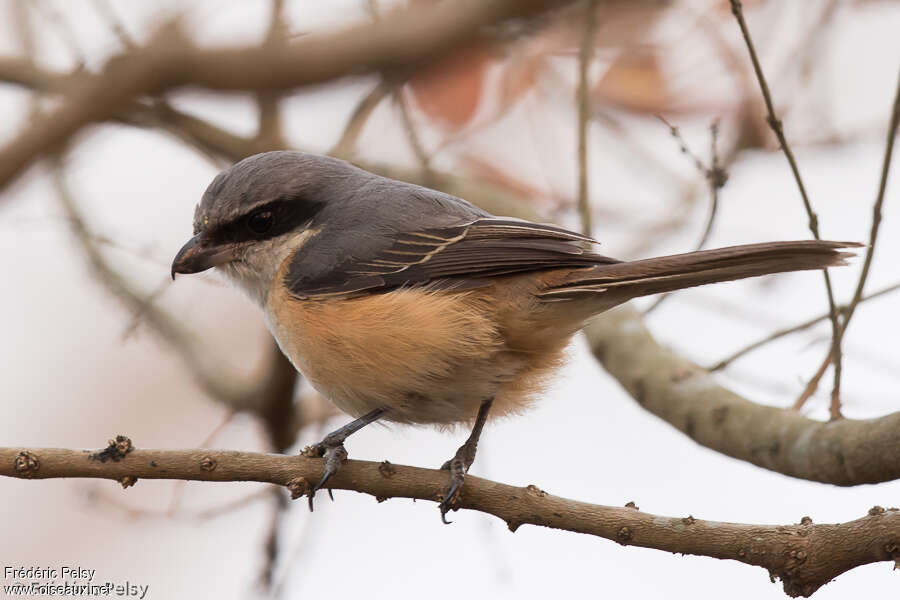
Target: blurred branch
x=804, y=556
x=582, y=93
x=268, y=101
x=105, y=10
x=346, y=146
x=778, y=129
x=412, y=134
x=215, y=382
x=403, y=39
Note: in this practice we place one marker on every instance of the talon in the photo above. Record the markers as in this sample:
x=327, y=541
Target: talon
x=462, y=460
x=457, y=467
x=334, y=458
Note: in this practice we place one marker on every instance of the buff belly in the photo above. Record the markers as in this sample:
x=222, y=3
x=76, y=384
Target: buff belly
x=429, y=357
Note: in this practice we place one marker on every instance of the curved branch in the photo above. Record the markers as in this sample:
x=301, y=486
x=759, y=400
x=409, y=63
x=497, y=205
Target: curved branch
x=845, y=452
x=804, y=556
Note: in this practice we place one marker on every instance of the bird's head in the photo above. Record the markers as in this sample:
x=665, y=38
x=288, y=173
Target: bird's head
x=257, y=213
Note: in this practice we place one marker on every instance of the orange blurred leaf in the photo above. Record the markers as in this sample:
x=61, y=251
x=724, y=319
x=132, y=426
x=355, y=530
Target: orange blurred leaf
x=636, y=82
x=450, y=90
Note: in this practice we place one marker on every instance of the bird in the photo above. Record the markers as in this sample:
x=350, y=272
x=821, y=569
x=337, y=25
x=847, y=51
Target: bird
x=403, y=304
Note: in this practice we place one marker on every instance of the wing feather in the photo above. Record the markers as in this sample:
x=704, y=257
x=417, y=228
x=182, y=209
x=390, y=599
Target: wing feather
x=457, y=257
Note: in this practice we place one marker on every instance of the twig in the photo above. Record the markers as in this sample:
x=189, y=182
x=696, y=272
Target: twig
x=585, y=54
x=106, y=11
x=202, y=514
x=780, y=333
x=873, y=240
x=217, y=383
x=778, y=129
x=843, y=452
x=346, y=146
x=683, y=147
x=412, y=135
x=716, y=177
x=813, y=384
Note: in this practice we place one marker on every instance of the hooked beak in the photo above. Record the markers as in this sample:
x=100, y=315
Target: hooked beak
x=196, y=256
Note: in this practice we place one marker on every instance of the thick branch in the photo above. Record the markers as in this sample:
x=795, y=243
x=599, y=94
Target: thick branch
x=805, y=556
x=844, y=452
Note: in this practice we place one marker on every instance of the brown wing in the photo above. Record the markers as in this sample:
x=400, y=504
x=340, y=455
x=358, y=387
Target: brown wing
x=459, y=257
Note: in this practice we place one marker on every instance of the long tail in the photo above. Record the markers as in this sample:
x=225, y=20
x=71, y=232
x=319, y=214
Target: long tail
x=679, y=271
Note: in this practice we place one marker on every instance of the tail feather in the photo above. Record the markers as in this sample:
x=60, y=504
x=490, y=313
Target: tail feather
x=679, y=271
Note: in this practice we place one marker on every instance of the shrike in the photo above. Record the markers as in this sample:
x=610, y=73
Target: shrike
x=405, y=304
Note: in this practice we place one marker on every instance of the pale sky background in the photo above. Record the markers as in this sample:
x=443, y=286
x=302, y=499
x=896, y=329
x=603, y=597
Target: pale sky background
x=70, y=380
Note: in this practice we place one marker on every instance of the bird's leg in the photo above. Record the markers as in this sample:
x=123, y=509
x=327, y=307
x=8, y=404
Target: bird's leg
x=332, y=448
x=463, y=459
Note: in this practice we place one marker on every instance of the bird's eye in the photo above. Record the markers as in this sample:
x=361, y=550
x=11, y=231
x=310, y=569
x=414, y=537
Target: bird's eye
x=260, y=222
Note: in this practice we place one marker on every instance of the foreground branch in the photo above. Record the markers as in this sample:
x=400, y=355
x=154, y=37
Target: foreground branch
x=804, y=556
x=844, y=452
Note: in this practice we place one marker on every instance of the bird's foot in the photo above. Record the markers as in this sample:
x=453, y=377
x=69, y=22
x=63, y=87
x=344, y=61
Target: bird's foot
x=458, y=467
x=332, y=450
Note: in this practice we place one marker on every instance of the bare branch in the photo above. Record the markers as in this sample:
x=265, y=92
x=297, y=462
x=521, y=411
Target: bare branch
x=778, y=129
x=870, y=252
x=793, y=329
x=412, y=134
x=215, y=382
x=346, y=146
x=812, y=385
x=804, y=556
x=716, y=176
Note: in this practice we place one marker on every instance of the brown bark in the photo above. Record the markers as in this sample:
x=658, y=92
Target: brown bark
x=843, y=452
x=805, y=556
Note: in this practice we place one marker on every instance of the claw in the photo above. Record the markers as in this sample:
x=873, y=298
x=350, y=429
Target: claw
x=457, y=467
x=334, y=458
x=462, y=460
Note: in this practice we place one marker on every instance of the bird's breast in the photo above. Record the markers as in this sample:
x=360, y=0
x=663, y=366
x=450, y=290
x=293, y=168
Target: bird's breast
x=428, y=356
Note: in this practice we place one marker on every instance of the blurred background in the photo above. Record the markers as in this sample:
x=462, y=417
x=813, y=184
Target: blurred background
x=498, y=122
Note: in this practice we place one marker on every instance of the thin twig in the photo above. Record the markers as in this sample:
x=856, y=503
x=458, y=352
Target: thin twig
x=813, y=384
x=835, y=406
x=876, y=208
x=215, y=382
x=716, y=177
x=778, y=129
x=115, y=24
x=346, y=145
x=780, y=333
x=585, y=54
x=412, y=135
x=675, y=132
